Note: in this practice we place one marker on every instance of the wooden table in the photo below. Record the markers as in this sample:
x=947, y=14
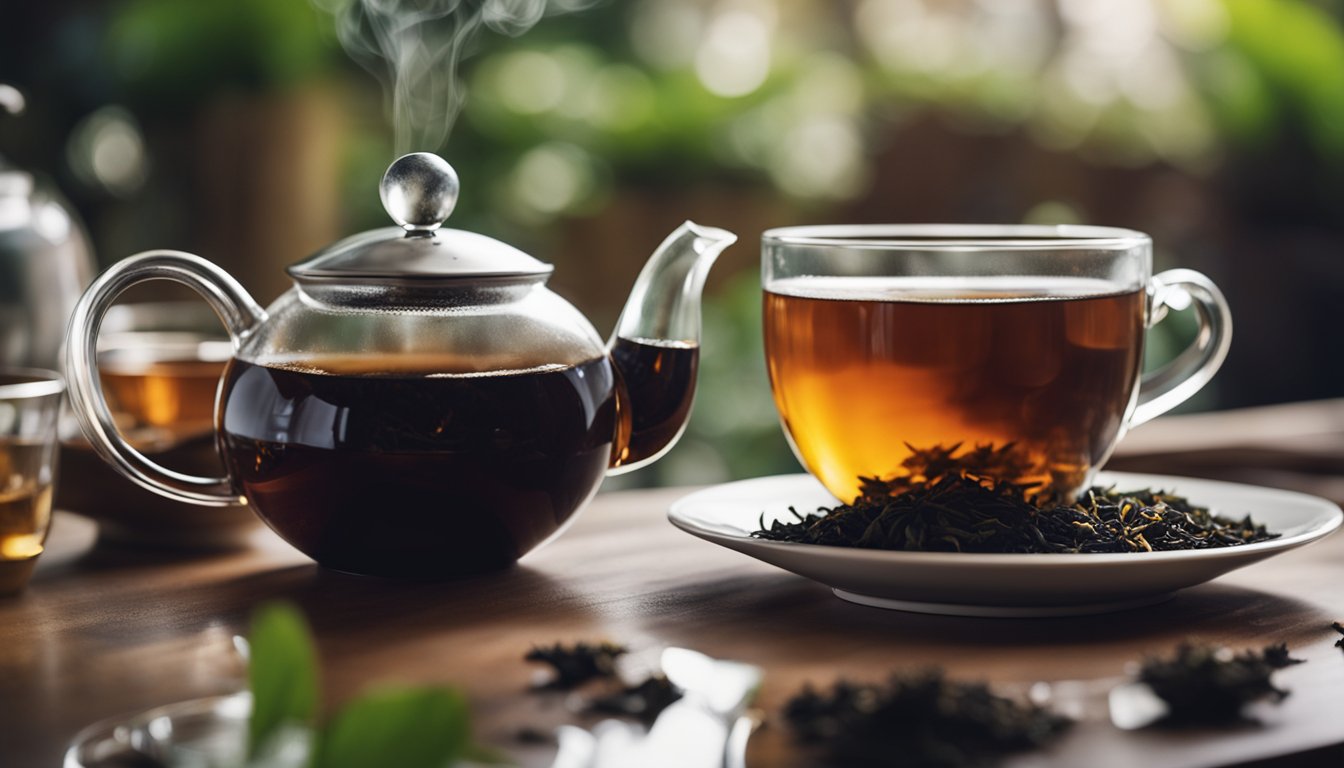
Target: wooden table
x=102, y=632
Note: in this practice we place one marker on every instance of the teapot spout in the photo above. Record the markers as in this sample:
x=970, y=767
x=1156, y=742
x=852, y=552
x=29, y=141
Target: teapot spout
x=665, y=303
x=656, y=346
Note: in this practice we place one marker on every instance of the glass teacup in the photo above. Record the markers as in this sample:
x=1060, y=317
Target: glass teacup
x=160, y=364
x=30, y=404
x=894, y=345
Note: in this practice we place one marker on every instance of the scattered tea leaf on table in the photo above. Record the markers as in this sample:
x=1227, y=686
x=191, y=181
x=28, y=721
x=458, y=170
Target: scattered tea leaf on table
x=282, y=673
x=644, y=700
x=576, y=664
x=921, y=719
x=1211, y=685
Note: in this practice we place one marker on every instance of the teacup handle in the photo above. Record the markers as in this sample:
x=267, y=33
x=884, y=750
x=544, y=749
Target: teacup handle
x=1174, y=383
x=241, y=316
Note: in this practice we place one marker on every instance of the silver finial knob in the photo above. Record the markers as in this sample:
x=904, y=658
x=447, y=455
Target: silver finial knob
x=419, y=191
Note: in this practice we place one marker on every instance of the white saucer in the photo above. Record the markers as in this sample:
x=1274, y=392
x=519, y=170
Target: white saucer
x=967, y=584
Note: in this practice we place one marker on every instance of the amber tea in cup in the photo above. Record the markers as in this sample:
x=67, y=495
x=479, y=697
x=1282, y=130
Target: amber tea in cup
x=160, y=364
x=29, y=409
x=885, y=341
x=173, y=394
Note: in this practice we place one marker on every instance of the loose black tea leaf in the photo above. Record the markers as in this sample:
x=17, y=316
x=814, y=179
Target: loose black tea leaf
x=528, y=734
x=1210, y=685
x=576, y=664
x=982, y=461
x=1338, y=627
x=645, y=700
x=923, y=718
x=581, y=663
x=949, y=503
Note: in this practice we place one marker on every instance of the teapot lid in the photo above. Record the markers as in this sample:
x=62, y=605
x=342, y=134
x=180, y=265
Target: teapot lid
x=419, y=191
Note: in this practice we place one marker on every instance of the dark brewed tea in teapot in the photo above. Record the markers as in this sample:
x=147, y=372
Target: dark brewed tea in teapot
x=382, y=468
x=419, y=403
x=659, y=379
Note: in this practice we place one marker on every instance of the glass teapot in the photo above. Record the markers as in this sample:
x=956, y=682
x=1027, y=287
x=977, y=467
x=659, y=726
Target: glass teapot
x=419, y=404
x=45, y=262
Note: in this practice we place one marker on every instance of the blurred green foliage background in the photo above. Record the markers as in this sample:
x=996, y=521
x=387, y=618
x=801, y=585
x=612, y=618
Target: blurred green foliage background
x=243, y=129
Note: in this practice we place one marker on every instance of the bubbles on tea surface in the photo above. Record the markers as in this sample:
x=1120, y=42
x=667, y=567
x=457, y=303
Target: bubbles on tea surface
x=297, y=367
x=544, y=368
x=440, y=366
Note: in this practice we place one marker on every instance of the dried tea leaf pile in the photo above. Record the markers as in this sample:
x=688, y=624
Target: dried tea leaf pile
x=920, y=719
x=1209, y=685
x=644, y=700
x=576, y=664
x=579, y=664
x=949, y=503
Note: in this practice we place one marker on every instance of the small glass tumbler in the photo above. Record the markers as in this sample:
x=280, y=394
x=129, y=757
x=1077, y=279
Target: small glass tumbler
x=30, y=406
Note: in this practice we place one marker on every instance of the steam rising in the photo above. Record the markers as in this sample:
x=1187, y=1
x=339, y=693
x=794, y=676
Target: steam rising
x=414, y=47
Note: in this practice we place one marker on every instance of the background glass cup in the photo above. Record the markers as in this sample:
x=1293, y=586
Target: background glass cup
x=30, y=406
x=886, y=340
x=160, y=365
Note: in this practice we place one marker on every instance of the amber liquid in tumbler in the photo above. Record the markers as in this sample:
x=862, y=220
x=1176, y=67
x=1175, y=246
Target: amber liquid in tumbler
x=25, y=509
x=417, y=467
x=864, y=369
x=659, y=384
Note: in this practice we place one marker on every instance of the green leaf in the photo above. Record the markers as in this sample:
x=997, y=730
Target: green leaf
x=282, y=673
x=403, y=727
x=1297, y=49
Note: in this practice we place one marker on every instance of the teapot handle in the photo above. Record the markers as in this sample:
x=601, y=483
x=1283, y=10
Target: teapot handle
x=241, y=316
